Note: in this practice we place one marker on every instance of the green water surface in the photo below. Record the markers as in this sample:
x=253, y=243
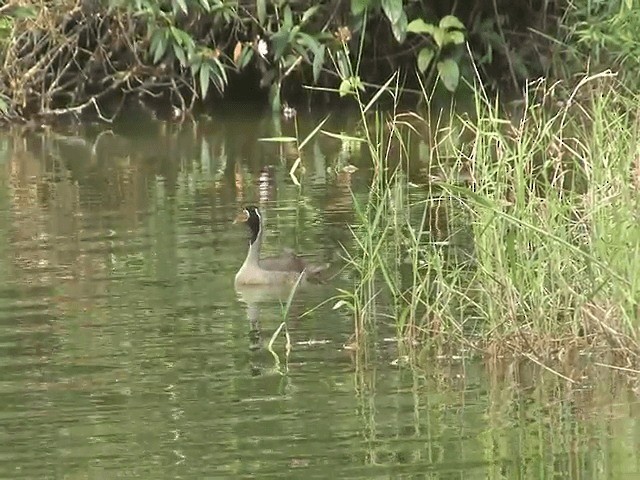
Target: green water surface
x=125, y=351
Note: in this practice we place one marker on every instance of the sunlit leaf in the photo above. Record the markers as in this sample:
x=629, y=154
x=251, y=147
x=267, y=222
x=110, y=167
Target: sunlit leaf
x=340, y=304
x=204, y=80
x=392, y=9
x=179, y=52
x=456, y=37
x=438, y=36
x=399, y=28
x=219, y=83
x=237, y=52
x=424, y=58
x=205, y=5
x=309, y=12
x=182, y=38
x=449, y=74
x=221, y=70
x=451, y=21
x=345, y=87
x=182, y=5
x=278, y=139
x=158, y=44
x=420, y=26
x=247, y=55
x=342, y=136
x=343, y=64
x=288, y=18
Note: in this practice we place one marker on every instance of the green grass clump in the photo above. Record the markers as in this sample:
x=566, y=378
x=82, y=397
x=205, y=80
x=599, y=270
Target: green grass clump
x=538, y=248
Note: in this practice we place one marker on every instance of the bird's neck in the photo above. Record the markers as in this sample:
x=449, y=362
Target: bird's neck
x=255, y=244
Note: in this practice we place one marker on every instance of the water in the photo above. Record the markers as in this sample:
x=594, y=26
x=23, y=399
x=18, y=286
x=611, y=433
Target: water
x=125, y=351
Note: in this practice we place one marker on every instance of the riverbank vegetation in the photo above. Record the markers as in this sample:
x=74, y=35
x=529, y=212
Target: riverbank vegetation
x=526, y=238
x=90, y=58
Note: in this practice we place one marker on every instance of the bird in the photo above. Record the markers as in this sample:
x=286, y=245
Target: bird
x=280, y=270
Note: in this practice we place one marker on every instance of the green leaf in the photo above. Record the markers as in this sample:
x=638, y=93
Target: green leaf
x=308, y=41
x=392, y=9
x=309, y=12
x=245, y=58
x=424, y=58
x=195, y=67
x=399, y=28
x=182, y=5
x=4, y=106
x=345, y=87
x=318, y=62
x=420, y=26
x=229, y=15
x=204, y=80
x=356, y=82
x=261, y=6
x=455, y=36
x=159, y=44
x=221, y=70
x=205, y=5
x=438, y=36
x=218, y=76
x=451, y=21
x=343, y=64
x=21, y=12
x=449, y=74
x=177, y=49
x=182, y=37
x=288, y=18
x=359, y=6
x=175, y=33
x=279, y=42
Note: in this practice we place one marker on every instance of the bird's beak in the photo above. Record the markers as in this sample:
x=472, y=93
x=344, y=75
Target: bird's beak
x=242, y=217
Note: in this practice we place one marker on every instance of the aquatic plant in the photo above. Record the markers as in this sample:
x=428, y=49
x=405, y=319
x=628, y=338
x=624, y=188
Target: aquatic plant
x=536, y=249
